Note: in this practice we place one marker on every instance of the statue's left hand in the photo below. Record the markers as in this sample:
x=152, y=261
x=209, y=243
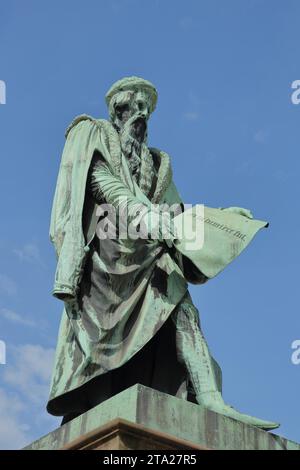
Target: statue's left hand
x=239, y=210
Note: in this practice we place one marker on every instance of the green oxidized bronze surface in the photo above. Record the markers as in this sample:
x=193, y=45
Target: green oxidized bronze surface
x=128, y=316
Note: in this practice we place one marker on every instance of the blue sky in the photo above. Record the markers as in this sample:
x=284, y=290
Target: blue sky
x=224, y=72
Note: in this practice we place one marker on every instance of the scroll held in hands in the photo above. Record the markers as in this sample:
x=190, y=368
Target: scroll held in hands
x=213, y=238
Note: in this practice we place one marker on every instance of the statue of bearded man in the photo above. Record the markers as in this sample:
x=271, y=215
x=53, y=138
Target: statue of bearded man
x=128, y=316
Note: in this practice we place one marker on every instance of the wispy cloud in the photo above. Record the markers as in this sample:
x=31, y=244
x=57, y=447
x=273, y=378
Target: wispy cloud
x=7, y=285
x=14, y=433
x=192, y=111
x=14, y=317
x=186, y=23
x=261, y=136
x=118, y=6
x=23, y=396
x=29, y=253
x=31, y=371
x=282, y=176
x=191, y=116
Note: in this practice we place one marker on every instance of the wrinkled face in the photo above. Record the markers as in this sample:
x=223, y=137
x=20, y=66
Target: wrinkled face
x=131, y=109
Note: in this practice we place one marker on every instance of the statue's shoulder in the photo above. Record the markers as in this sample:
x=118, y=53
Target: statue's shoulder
x=101, y=123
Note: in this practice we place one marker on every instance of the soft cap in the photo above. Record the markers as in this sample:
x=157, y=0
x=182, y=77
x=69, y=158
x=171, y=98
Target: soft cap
x=135, y=84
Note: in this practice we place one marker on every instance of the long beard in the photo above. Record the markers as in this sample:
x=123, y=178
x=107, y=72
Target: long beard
x=131, y=147
x=138, y=156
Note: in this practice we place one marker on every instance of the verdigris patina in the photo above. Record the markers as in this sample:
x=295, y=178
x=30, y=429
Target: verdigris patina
x=128, y=316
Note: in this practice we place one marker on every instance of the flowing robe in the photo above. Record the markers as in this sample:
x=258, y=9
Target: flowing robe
x=124, y=290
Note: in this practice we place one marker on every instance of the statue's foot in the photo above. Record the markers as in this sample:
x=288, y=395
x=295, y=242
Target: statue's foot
x=214, y=402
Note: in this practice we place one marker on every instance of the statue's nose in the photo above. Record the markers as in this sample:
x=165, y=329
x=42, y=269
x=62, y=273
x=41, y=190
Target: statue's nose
x=143, y=114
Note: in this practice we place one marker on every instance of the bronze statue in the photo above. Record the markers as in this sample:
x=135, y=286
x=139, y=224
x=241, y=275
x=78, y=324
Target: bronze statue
x=128, y=316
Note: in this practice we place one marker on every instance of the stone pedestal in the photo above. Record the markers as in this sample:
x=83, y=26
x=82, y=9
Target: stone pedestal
x=142, y=418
